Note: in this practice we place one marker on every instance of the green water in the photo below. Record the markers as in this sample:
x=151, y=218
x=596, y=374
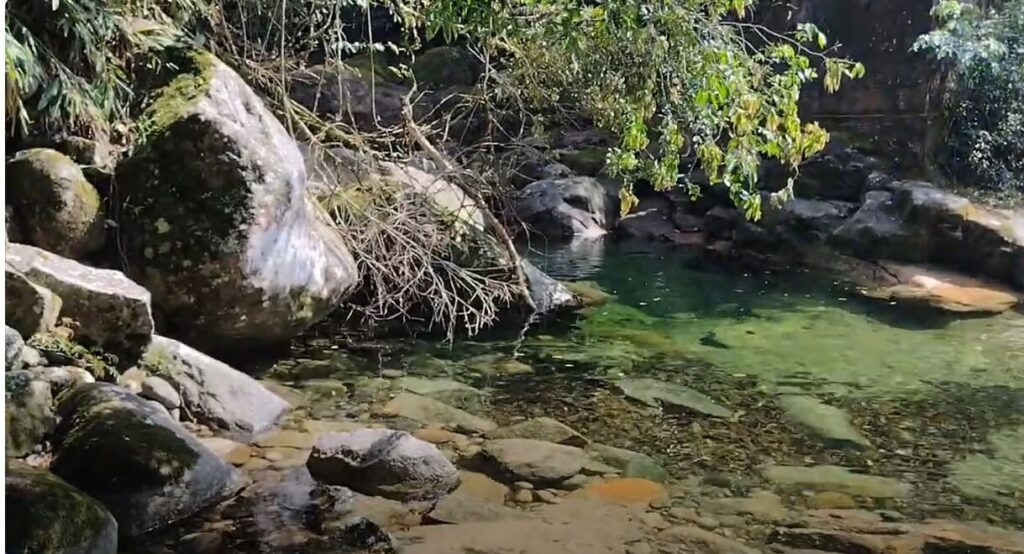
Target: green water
x=938, y=399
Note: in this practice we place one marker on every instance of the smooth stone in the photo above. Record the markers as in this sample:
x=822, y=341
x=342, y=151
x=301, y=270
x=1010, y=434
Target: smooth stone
x=837, y=479
x=828, y=422
x=435, y=435
x=45, y=514
x=626, y=491
x=762, y=506
x=132, y=379
x=449, y=391
x=542, y=429
x=382, y=462
x=155, y=388
x=523, y=496
x=631, y=463
x=533, y=461
x=651, y=391
x=30, y=357
x=427, y=411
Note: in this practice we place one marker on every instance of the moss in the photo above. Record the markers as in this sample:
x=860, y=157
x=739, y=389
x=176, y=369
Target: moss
x=174, y=100
x=45, y=514
x=589, y=293
x=59, y=350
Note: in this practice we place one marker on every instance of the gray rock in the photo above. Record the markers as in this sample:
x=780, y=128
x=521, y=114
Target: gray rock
x=30, y=357
x=631, y=463
x=13, y=343
x=428, y=411
x=837, y=479
x=30, y=308
x=459, y=508
x=876, y=231
x=568, y=207
x=449, y=391
x=159, y=390
x=45, y=514
x=57, y=208
x=59, y=378
x=542, y=429
x=145, y=468
x=534, y=461
x=651, y=391
x=223, y=231
x=817, y=219
x=212, y=392
x=29, y=412
x=720, y=222
x=828, y=422
x=650, y=220
x=111, y=310
x=446, y=66
x=381, y=462
x=548, y=294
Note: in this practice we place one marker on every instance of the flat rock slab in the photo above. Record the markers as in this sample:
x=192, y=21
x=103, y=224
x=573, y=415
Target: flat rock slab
x=652, y=391
x=628, y=491
x=450, y=391
x=838, y=479
x=212, y=392
x=533, y=461
x=427, y=411
x=828, y=422
x=630, y=462
x=542, y=429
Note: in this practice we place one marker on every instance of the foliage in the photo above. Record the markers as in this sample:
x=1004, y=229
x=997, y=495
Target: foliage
x=666, y=77
x=68, y=63
x=985, y=50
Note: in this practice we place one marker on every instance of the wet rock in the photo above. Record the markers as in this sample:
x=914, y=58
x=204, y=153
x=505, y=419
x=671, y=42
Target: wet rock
x=57, y=209
x=428, y=411
x=213, y=393
x=650, y=220
x=703, y=541
x=535, y=461
x=497, y=364
x=804, y=218
x=589, y=293
x=223, y=231
x=547, y=293
x=145, y=468
x=838, y=479
x=829, y=423
x=568, y=207
x=449, y=391
x=446, y=66
x=632, y=464
x=111, y=310
x=720, y=222
x=651, y=391
x=945, y=291
x=46, y=514
x=29, y=412
x=381, y=462
x=628, y=491
x=13, y=343
x=542, y=429
x=762, y=506
x=29, y=308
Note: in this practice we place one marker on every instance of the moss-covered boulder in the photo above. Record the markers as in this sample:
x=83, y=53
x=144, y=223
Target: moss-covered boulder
x=29, y=412
x=45, y=515
x=30, y=308
x=221, y=229
x=56, y=206
x=110, y=310
x=143, y=466
x=446, y=66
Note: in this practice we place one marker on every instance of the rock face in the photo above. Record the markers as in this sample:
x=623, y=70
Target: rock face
x=57, y=209
x=222, y=231
x=45, y=514
x=212, y=392
x=111, y=310
x=144, y=467
x=382, y=462
x=29, y=412
x=568, y=207
x=30, y=308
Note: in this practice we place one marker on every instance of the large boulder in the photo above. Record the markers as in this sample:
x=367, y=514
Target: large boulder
x=110, y=310
x=56, y=207
x=446, y=66
x=221, y=227
x=29, y=412
x=131, y=456
x=547, y=293
x=382, y=462
x=47, y=515
x=30, y=308
x=212, y=392
x=569, y=207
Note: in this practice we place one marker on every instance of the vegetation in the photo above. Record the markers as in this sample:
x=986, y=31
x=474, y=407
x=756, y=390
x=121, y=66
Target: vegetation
x=984, y=48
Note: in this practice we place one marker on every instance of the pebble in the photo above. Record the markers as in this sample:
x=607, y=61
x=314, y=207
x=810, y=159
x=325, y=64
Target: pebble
x=523, y=496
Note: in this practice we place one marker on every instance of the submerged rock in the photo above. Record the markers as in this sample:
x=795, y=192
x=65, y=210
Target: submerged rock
x=651, y=391
x=29, y=307
x=212, y=392
x=542, y=429
x=145, y=468
x=631, y=463
x=547, y=293
x=568, y=207
x=427, y=411
x=222, y=230
x=110, y=310
x=828, y=422
x=947, y=292
x=29, y=412
x=533, y=461
x=381, y=462
x=448, y=391
x=838, y=479
x=56, y=207
x=47, y=515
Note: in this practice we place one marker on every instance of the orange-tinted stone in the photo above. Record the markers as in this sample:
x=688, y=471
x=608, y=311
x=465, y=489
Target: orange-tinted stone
x=627, y=491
